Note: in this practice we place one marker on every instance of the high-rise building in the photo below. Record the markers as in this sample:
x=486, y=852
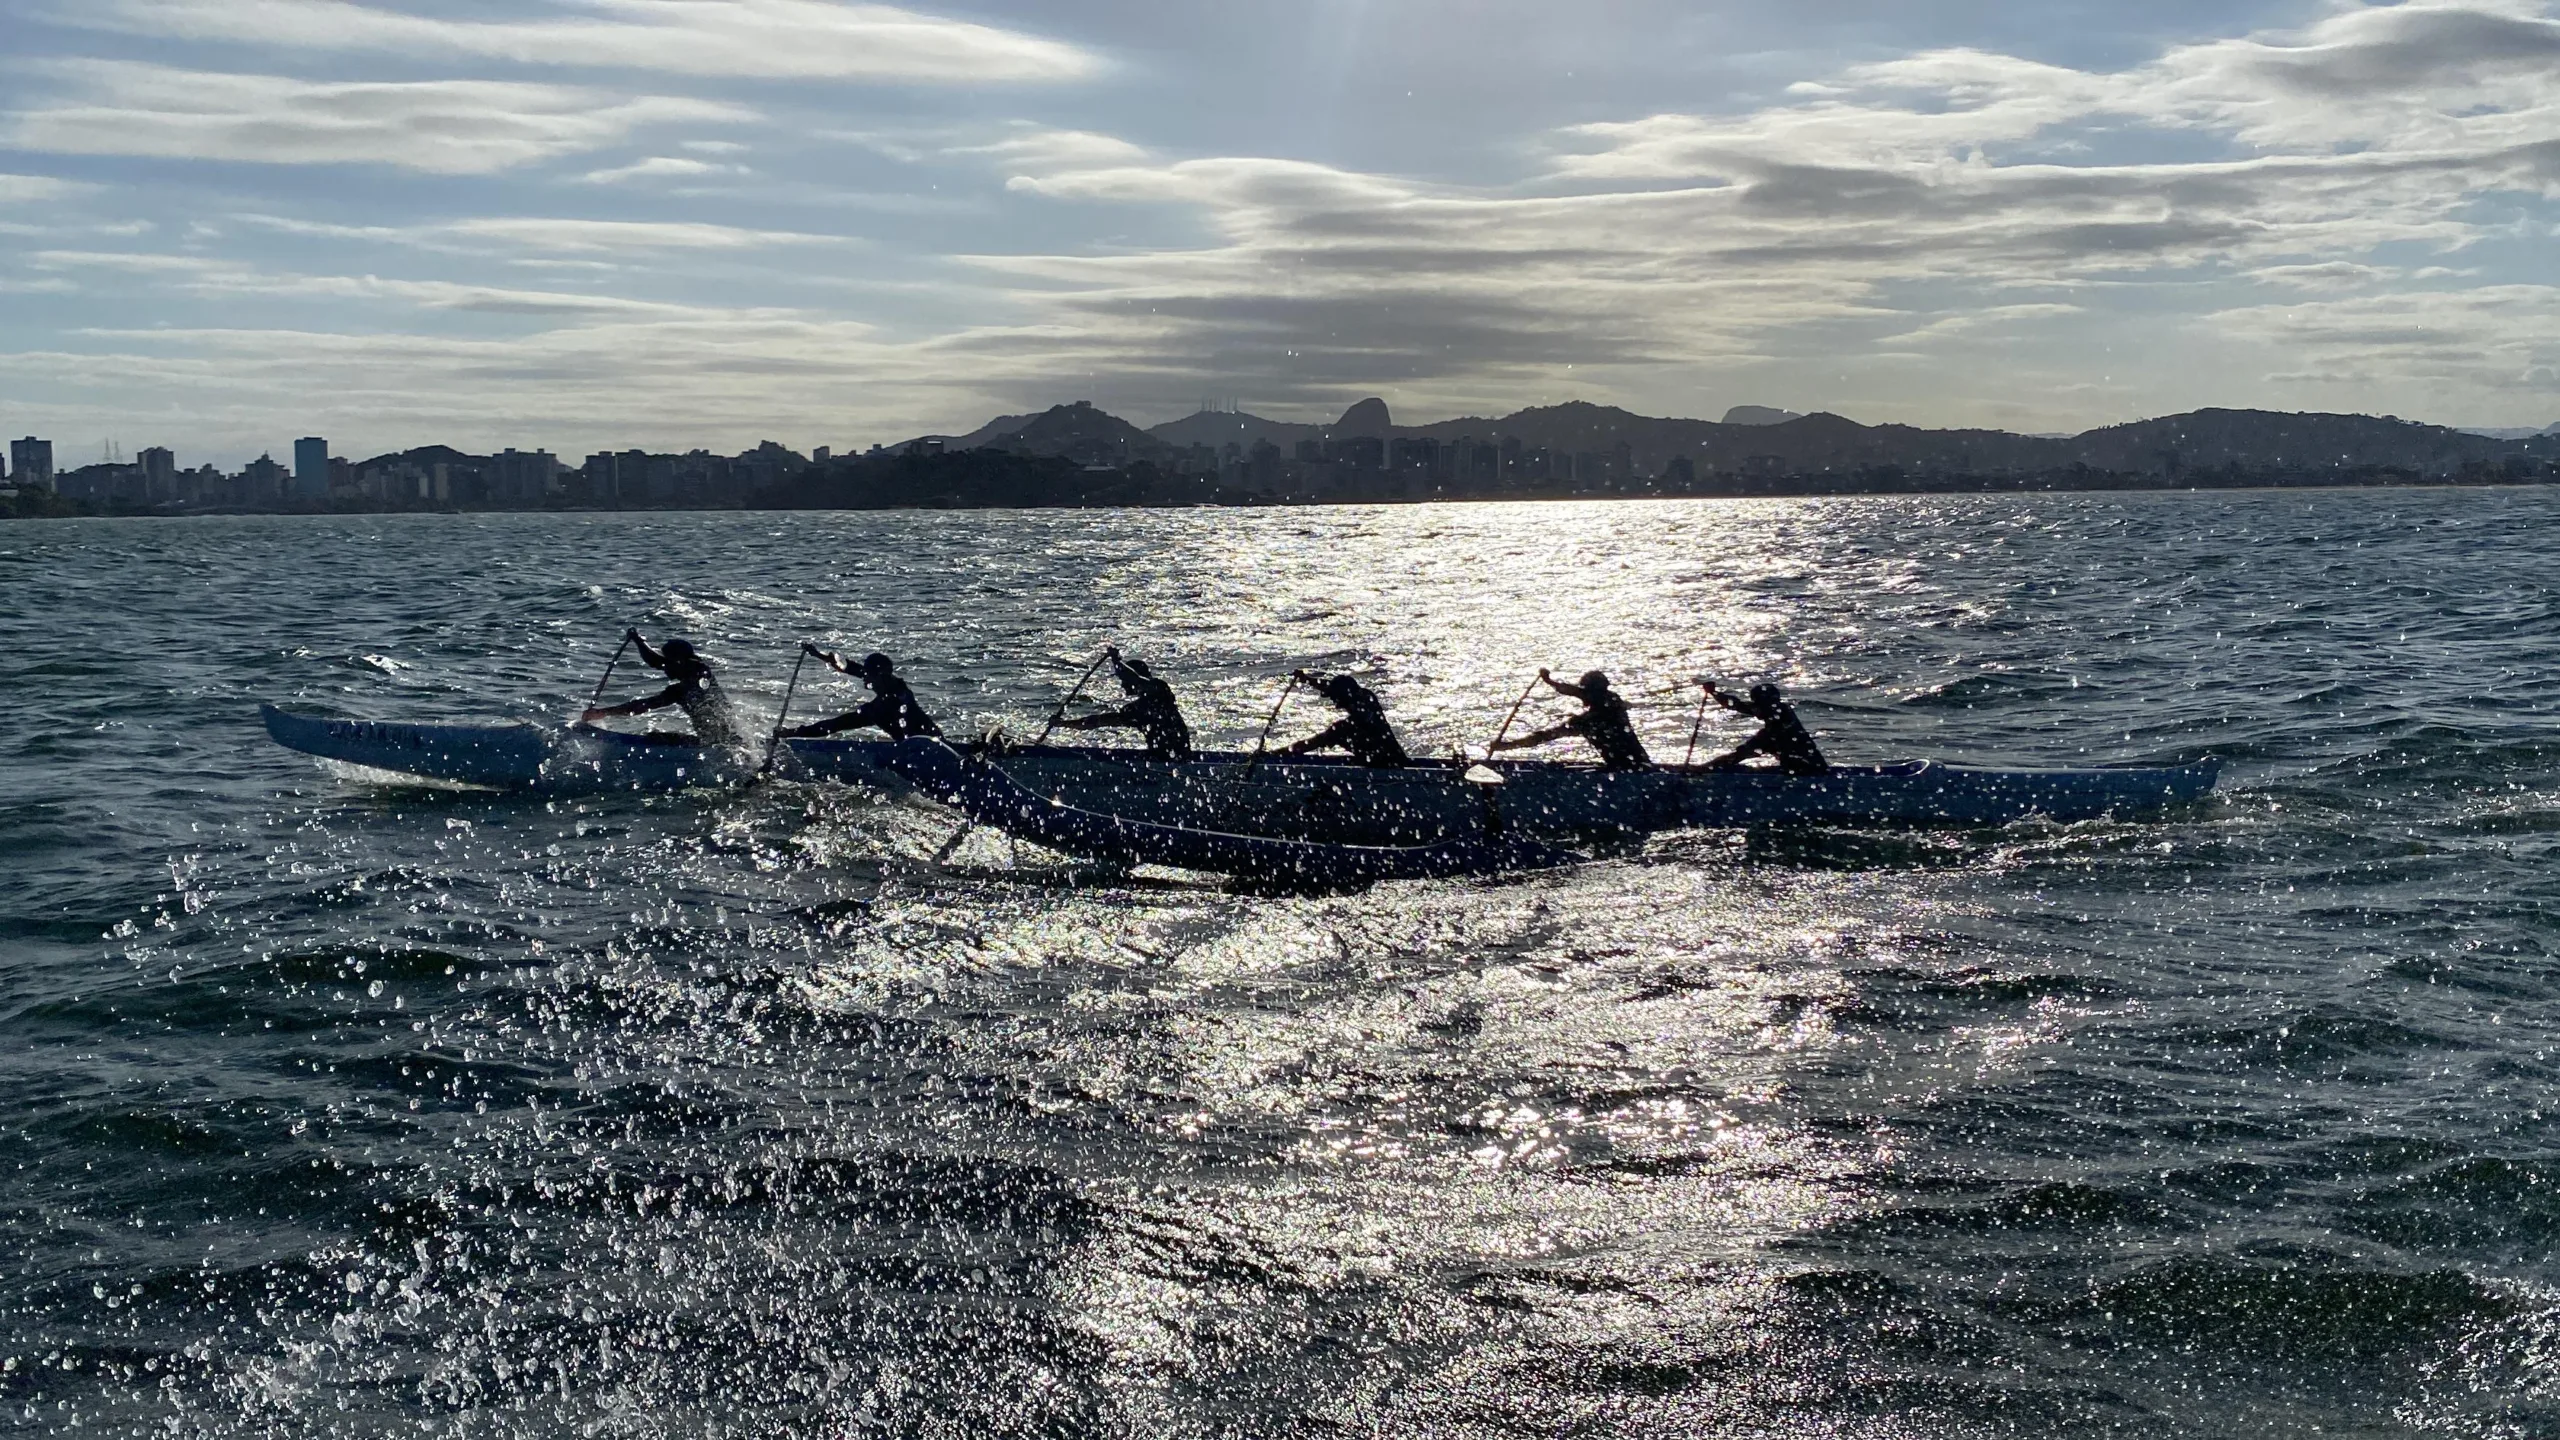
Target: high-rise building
x=159, y=469
x=262, y=481
x=31, y=461
x=522, y=477
x=311, y=468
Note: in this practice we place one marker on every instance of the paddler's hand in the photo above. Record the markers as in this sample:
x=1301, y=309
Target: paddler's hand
x=591, y=717
x=632, y=637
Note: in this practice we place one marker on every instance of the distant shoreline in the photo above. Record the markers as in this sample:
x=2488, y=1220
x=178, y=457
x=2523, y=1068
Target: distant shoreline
x=1775, y=488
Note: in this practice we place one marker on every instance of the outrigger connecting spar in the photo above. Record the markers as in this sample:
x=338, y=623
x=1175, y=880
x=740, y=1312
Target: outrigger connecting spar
x=1284, y=813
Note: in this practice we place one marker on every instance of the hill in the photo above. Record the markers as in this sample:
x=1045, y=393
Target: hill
x=2264, y=439
x=1218, y=429
x=1075, y=431
x=1818, y=444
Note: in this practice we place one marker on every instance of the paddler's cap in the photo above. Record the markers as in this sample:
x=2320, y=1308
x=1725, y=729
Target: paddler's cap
x=1138, y=667
x=876, y=663
x=678, y=650
x=1765, y=693
x=1339, y=687
x=1595, y=680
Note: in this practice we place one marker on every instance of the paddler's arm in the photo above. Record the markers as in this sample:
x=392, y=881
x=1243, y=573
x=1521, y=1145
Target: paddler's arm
x=648, y=657
x=1536, y=737
x=854, y=721
x=1737, y=706
x=672, y=695
x=1124, y=718
x=1732, y=759
x=834, y=661
x=1572, y=692
x=1337, y=733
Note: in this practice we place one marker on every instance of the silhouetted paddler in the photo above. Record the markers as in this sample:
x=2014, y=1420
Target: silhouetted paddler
x=1151, y=710
x=1363, y=729
x=892, y=708
x=1782, y=736
x=691, y=687
x=1604, y=722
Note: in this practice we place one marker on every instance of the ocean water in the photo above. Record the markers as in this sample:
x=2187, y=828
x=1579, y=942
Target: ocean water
x=339, y=1108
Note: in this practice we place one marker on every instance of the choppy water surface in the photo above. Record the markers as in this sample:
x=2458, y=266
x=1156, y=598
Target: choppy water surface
x=340, y=1109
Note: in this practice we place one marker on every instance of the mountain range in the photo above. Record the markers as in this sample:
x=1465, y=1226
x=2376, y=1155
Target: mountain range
x=1754, y=439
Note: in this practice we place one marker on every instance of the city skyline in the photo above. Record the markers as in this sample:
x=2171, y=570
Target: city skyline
x=1076, y=453
x=679, y=223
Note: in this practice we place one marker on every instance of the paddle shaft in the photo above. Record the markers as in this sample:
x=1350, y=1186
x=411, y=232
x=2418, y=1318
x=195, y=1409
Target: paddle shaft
x=1264, y=742
x=1706, y=692
x=1061, y=712
x=1505, y=732
x=607, y=678
x=774, y=743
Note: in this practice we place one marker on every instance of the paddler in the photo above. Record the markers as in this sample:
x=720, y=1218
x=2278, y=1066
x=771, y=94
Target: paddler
x=691, y=686
x=1604, y=722
x=892, y=708
x=1363, y=729
x=1151, y=710
x=1782, y=736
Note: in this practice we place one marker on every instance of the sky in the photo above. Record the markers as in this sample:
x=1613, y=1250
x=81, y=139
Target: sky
x=579, y=224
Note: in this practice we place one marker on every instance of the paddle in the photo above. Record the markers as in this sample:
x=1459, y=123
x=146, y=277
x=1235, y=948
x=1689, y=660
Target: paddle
x=1061, y=712
x=774, y=742
x=1500, y=735
x=607, y=678
x=1263, y=743
x=1706, y=692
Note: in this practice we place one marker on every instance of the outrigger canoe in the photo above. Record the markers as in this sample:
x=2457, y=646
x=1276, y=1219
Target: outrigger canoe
x=1302, y=798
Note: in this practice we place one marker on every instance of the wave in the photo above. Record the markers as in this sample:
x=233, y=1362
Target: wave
x=2333, y=1310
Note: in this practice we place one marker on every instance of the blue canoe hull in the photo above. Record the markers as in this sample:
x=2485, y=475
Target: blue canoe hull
x=986, y=794
x=1322, y=799
x=552, y=759
x=1316, y=799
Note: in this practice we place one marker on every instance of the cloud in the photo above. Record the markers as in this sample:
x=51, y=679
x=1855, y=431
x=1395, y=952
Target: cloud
x=2302, y=215
x=2458, y=343
x=600, y=236
x=137, y=263
x=812, y=39
x=509, y=234
x=1692, y=243
x=453, y=127
x=1045, y=151
x=211, y=276
x=1987, y=318
x=672, y=377
x=658, y=167
x=35, y=189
